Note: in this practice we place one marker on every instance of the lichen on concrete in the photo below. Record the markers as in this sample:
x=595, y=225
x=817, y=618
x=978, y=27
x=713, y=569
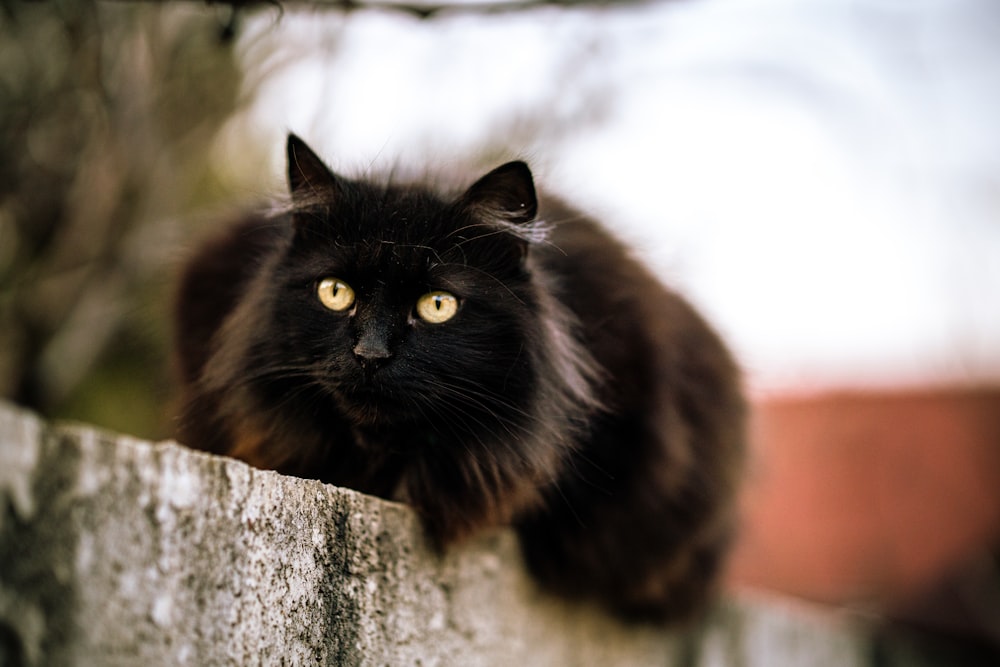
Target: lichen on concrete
x=115, y=551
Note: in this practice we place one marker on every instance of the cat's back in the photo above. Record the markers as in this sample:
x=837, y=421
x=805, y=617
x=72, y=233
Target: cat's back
x=645, y=335
x=212, y=282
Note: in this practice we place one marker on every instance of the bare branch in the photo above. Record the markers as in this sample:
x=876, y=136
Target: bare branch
x=426, y=8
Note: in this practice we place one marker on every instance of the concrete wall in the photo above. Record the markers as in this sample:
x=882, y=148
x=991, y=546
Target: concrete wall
x=115, y=551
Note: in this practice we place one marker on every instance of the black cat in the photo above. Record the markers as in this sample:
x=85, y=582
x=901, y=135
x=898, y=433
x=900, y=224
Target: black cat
x=484, y=360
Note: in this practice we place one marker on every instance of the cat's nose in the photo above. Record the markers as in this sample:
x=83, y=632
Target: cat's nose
x=372, y=352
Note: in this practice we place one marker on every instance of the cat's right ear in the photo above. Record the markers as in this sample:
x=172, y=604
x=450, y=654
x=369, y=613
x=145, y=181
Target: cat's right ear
x=309, y=180
x=507, y=194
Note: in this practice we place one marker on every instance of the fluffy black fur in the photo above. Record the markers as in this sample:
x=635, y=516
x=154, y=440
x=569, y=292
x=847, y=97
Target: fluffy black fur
x=571, y=396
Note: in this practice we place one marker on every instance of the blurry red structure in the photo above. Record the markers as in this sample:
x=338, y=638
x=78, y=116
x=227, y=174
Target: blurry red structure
x=869, y=498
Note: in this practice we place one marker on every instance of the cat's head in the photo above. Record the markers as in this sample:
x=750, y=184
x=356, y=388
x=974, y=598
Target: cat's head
x=406, y=306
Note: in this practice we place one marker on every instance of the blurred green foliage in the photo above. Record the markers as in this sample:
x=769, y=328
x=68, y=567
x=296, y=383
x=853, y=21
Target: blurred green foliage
x=108, y=112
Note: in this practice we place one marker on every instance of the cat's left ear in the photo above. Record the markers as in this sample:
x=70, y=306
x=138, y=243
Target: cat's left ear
x=506, y=194
x=308, y=178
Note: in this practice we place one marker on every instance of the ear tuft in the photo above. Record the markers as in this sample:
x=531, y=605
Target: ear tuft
x=507, y=194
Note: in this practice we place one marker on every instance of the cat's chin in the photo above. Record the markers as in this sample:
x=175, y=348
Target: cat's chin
x=369, y=408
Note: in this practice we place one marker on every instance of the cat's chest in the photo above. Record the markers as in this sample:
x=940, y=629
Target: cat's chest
x=395, y=454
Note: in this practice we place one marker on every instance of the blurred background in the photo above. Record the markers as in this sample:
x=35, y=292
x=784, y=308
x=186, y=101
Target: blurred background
x=821, y=177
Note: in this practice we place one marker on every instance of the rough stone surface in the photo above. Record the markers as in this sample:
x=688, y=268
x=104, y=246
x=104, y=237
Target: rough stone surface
x=120, y=552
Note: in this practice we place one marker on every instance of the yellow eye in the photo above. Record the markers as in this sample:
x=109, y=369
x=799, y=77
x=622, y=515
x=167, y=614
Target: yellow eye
x=335, y=294
x=437, y=307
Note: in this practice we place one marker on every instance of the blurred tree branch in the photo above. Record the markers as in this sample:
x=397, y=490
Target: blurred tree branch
x=423, y=8
x=429, y=9
x=107, y=113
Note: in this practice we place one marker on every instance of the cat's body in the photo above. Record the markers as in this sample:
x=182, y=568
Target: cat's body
x=565, y=392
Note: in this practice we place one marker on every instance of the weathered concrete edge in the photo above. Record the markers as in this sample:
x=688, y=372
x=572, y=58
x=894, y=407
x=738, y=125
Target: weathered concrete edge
x=169, y=555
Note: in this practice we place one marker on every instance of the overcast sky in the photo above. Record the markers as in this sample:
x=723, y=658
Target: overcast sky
x=821, y=177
